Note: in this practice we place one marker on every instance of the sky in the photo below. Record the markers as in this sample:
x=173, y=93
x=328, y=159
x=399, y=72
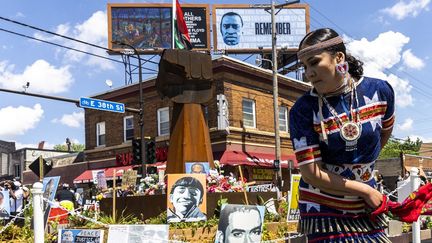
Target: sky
x=392, y=38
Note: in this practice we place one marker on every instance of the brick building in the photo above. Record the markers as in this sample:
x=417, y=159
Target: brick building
x=239, y=117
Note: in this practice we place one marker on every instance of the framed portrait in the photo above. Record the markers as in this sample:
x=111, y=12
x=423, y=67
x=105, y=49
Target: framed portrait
x=187, y=198
x=49, y=189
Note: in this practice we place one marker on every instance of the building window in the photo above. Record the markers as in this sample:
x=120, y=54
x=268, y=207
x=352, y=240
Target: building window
x=128, y=125
x=283, y=118
x=17, y=170
x=163, y=121
x=248, y=107
x=100, y=133
x=4, y=164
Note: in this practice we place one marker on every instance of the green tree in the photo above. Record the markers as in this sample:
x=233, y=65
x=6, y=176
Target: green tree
x=394, y=147
x=75, y=147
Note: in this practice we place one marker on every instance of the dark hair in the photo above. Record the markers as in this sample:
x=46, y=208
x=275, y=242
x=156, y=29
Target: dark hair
x=320, y=35
x=232, y=208
x=230, y=14
x=188, y=182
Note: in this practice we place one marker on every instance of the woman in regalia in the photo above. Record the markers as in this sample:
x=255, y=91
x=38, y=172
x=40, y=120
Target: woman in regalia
x=338, y=129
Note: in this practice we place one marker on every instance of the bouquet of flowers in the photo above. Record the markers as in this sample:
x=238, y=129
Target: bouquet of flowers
x=220, y=183
x=150, y=184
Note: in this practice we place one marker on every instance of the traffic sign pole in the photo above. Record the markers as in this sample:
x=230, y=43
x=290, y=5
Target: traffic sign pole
x=41, y=170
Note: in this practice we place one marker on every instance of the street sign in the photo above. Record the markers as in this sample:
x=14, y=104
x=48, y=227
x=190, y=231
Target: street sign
x=34, y=166
x=103, y=105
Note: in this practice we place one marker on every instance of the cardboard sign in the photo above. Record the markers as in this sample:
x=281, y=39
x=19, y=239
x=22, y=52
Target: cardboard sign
x=99, y=179
x=293, y=210
x=129, y=179
x=80, y=235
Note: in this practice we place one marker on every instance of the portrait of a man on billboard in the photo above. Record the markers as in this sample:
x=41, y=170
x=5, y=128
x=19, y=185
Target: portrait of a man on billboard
x=187, y=198
x=231, y=28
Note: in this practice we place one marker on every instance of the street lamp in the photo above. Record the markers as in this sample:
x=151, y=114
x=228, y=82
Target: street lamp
x=141, y=111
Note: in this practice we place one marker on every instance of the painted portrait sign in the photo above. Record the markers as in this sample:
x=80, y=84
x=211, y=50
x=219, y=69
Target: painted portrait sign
x=187, y=199
x=49, y=189
x=197, y=167
x=240, y=223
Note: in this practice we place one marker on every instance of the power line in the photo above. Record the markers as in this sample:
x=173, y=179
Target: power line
x=63, y=36
x=69, y=48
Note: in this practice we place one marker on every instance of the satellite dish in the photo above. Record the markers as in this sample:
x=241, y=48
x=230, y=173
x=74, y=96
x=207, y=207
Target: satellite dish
x=109, y=83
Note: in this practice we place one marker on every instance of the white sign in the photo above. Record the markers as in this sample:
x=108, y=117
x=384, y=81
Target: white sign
x=250, y=28
x=147, y=233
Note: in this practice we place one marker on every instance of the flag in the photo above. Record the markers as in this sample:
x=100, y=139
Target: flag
x=181, y=33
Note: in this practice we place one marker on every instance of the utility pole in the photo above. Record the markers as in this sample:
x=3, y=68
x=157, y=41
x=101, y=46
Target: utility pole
x=276, y=90
x=141, y=109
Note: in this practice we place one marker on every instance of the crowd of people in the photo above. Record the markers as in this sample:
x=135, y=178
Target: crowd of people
x=18, y=197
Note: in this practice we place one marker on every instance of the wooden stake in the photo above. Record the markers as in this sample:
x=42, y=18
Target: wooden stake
x=41, y=172
x=114, y=195
x=243, y=184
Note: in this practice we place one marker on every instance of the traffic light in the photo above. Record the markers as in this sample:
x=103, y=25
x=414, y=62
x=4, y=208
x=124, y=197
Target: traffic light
x=136, y=152
x=150, y=147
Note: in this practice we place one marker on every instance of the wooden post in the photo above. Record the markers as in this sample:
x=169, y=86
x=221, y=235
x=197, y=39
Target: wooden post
x=244, y=185
x=114, y=196
x=41, y=172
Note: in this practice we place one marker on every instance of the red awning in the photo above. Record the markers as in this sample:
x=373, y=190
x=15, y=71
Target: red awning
x=253, y=159
x=87, y=176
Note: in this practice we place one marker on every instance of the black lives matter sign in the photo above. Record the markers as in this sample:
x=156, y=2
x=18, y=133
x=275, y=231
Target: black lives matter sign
x=195, y=19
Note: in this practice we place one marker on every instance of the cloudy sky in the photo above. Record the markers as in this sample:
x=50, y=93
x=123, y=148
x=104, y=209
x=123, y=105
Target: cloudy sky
x=391, y=37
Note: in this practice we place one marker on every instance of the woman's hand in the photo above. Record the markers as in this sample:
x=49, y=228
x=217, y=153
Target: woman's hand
x=372, y=197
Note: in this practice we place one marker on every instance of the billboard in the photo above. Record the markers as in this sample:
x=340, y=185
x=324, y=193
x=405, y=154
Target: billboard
x=148, y=27
x=240, y=28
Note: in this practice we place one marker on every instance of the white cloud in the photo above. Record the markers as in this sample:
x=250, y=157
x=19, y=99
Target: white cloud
x=19, y=15
x=94, y=31
x=423, y=139
x=411, y=61
x=406, y=125
x=43, y=77
x=382, y=54
x=403, y=9
x=17, y=120
x=71, y=120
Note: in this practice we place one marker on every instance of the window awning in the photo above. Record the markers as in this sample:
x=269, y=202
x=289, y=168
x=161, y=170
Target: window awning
x=253, y=159
x=87, y=176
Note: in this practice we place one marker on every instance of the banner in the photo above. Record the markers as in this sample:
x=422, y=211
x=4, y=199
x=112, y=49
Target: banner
x=80, y=235
x=293, y=210
x=242, y=29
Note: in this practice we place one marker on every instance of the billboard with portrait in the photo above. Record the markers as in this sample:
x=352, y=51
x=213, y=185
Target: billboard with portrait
x=148, y=27
x=241, y=28
x=187, y=200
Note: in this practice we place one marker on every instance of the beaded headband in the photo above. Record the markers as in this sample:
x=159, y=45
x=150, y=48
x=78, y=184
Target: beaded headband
x=319, y=47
